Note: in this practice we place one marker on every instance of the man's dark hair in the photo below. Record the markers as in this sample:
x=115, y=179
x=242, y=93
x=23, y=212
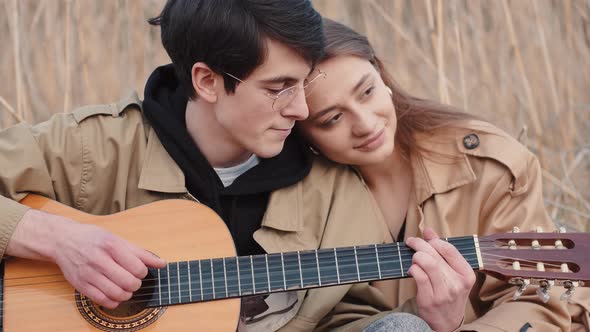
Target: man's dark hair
x=229, y=35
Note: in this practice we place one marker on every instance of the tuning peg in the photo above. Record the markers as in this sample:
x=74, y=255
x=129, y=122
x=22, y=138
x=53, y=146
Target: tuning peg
x=512, y=245
x=562, y=230
x=543, y=295
x=544, y=286
x=539, y=229
x=522, y=285
x=570, y=287
x=567, y=295
x=565, y=268
x=515, y=229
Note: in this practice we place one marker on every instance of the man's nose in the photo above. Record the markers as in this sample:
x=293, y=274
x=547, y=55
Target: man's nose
x=297, y=109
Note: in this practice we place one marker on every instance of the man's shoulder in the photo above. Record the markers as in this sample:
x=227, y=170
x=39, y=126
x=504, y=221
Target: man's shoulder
x=115, y=121
x=130, y=103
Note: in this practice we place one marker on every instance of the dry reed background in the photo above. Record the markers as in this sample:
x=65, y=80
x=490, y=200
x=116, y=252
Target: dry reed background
x=524, y=65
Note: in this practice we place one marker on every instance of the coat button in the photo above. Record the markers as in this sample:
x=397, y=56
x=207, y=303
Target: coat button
x=471, y=141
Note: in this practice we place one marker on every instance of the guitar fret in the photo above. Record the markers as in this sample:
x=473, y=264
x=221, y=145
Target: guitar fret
x=332, y=266
x=358, y=273
x=318, y=266
x=168, y=279
x=246, y=284
x=230, y=274
x=239, y=281
x=212, y=278
x=328, y=270
x=159, y=288
x=337, y=268
x=201, y=279
x=267, y=273
x=283, y=267
x=178, y=278
x=309, y=268
x=399, y=254
x=300, y=272
x=291, y=276
x=378, y=262
x=190, y=288
x=225, y=277
x=173, y=283
x=253, y=280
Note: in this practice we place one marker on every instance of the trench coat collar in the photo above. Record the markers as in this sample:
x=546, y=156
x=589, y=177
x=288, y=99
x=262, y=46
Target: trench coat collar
x=446, y=170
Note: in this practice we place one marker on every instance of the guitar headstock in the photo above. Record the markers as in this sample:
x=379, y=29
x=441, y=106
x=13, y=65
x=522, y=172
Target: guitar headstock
x=538, y=258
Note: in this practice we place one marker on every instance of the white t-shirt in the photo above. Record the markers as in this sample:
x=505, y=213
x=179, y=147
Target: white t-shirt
x=229, y=174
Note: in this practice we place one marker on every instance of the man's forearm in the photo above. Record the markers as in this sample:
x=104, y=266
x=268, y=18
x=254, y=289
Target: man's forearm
x=35, y=236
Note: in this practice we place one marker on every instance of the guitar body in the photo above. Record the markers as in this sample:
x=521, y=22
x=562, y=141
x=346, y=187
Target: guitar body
x=203, y=282
x=38, y=298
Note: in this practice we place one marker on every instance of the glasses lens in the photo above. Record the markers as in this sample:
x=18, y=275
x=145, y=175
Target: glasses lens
x=284, y=98
x=316, y=77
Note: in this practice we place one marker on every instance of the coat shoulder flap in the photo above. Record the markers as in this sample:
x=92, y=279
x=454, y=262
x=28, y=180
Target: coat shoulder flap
x=483, y=140
x=113, y=109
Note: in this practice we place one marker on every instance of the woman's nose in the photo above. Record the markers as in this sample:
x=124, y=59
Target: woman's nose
x=364, y=123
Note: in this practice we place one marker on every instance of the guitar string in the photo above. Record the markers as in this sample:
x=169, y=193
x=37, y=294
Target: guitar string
x=291, y=267
x=361, y=257
x=365, y=252
x=340, y=257
x=403, y=249
x=207, y=289
x=177, y=297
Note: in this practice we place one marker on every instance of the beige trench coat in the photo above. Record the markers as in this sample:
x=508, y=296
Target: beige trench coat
x=482, y=181
x=104, y=159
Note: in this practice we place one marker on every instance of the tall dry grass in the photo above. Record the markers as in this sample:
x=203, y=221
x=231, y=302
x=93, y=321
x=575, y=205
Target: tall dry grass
x=524, y=65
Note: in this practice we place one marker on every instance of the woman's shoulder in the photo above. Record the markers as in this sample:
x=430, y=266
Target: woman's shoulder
x=484, y=150
x=326, y=172
x=482, y=140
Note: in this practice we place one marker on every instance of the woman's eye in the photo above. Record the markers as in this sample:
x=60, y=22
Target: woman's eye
x=368, y=91
x=332, y=120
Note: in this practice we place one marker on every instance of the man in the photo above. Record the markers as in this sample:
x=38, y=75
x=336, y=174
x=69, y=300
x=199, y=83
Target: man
x=214, y=127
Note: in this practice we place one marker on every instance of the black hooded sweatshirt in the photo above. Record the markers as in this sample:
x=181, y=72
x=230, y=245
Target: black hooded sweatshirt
x=242, y=204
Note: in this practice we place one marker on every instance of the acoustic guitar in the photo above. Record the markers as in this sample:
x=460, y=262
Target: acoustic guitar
x=201, y=286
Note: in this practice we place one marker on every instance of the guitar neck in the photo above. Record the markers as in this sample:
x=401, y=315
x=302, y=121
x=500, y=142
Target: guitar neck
x=229, y=277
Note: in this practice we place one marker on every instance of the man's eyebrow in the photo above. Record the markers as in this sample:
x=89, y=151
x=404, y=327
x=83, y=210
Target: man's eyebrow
x=279, y=79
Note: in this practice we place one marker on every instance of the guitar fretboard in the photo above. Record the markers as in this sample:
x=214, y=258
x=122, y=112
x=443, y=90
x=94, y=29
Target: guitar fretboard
x=228, y=277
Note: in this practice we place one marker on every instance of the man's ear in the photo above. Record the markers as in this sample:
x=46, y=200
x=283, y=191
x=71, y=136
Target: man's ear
x=206, y=82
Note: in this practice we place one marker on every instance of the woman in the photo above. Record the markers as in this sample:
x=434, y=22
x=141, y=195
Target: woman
x=432, y=170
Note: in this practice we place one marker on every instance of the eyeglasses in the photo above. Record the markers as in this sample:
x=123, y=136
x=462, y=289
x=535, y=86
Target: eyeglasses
x=284, y=97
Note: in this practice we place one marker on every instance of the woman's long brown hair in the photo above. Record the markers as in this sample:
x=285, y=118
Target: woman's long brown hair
x=414, y=115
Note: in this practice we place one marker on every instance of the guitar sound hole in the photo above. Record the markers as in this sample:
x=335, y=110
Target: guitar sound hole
x=138, y=302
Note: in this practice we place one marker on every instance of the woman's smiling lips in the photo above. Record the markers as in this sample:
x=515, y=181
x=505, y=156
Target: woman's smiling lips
x=374, y=142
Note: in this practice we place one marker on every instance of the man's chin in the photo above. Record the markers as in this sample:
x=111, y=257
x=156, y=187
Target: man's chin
x=269, y=150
